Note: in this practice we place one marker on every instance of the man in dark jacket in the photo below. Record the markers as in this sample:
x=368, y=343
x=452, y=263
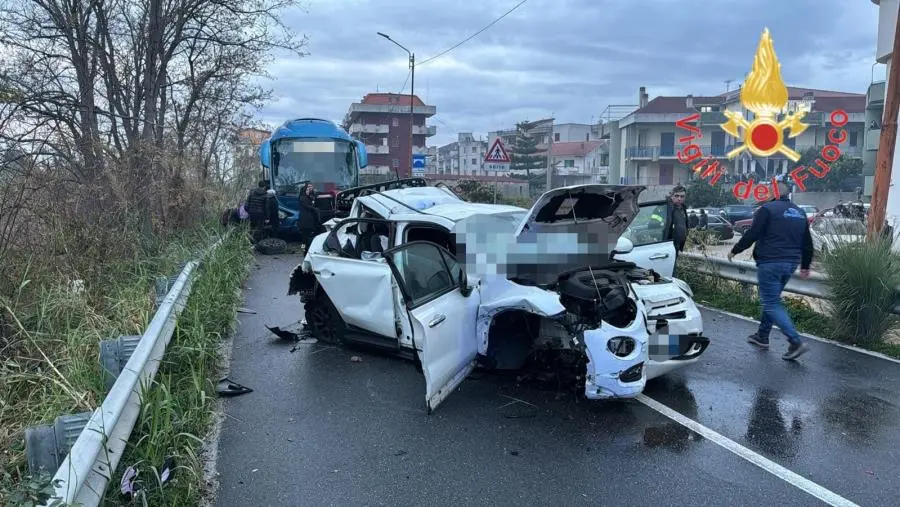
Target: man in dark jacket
x=310, y=220
x=781, y=233
x=676, y=224
x=257, y=205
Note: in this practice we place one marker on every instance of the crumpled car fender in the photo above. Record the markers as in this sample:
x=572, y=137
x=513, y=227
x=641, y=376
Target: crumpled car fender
x=498, y=294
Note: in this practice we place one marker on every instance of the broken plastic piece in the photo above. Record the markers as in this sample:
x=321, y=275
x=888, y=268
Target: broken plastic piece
x=168, y=470
x=284, y=335
x=227, y=387
x=128, y=485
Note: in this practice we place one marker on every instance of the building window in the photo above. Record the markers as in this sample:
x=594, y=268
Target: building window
x=474, y=161
x=395, y=122
x=587, y=137
x=853, y=135
x=395, y=142
x=473, y=149
x=556, y=137
x=569, y=163
x=395, y=163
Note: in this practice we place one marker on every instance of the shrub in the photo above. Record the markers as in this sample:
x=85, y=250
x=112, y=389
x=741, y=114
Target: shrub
x=863, y=278
x=700, y=239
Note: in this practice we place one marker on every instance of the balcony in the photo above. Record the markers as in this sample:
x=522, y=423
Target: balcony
x=391, y=109
x=379, y=149
x=875, y=96
x=642, y=152
x=713, y=118
x=369, y=128
x=873, y=137
x=427, y=131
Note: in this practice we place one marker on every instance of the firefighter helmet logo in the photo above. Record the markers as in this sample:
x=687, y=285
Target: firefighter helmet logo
x=765, y=94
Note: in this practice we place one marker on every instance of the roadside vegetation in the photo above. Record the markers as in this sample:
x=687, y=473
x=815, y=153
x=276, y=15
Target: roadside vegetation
x=53, y=323
x=862, y=279
x=178, y=410
x=111, y=175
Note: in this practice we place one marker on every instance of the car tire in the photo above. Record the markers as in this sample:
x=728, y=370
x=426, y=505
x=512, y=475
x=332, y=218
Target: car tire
x=271, y=246
x=323, y=319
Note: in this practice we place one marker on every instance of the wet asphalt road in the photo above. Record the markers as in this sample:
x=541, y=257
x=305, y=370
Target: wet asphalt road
x=322, y=430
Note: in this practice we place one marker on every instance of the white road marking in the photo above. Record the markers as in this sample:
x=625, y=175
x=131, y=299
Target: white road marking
x=871, y=353
x=794, y=479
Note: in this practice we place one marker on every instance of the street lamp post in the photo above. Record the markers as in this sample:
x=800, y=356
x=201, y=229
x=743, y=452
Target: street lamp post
x=412, y=90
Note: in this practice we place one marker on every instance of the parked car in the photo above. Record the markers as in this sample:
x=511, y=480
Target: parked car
x=808, y=209
x=830, y=232
x=583, y=279
x=724, y=230
x=736, y=212
x=742, y=226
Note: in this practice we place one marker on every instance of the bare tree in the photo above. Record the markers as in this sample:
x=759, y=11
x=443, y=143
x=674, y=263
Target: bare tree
x=132, y=98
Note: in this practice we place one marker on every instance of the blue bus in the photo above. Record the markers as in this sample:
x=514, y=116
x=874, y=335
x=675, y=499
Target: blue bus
x=310, y=150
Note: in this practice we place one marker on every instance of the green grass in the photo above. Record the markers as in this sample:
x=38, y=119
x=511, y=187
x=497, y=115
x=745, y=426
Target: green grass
x=178, y=410
x=743, y=300
x=50, y=334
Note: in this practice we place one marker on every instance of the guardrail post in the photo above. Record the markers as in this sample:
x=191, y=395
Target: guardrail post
x=47, y=445
x=113, y=356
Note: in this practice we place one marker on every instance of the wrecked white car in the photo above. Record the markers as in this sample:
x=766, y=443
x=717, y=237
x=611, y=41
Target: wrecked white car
x=580, y=279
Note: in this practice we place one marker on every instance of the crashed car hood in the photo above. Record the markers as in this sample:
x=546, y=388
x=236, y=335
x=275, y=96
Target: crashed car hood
x=567, y=228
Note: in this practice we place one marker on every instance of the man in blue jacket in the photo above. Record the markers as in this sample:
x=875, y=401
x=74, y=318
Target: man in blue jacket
x=781, y=233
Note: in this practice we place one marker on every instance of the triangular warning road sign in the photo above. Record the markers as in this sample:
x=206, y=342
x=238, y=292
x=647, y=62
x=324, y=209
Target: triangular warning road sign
x=497, y=154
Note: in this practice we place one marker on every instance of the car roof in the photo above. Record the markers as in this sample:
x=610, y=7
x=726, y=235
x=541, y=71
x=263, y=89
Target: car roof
x=401, y=204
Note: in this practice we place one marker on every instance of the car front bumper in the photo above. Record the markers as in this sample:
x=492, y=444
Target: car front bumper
x=611, y=376
x=676, y=331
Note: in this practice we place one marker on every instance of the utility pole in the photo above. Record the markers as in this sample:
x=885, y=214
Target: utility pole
x=549, y=184
x=412, y=88
x=885, y=158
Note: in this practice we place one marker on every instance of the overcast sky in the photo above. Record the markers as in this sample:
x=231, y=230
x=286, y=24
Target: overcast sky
x=563, y=58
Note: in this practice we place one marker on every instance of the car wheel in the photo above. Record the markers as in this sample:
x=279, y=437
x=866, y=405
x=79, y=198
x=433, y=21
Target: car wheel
x=324, y=320
x=271, y=246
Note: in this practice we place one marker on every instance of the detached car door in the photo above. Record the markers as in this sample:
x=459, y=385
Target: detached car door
x=443, y=310
x=651, y=250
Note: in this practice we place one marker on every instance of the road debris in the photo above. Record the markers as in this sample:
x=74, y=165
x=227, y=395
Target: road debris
x=284, y=334
x=355, y=359
x=246, y=310
x=228, y=387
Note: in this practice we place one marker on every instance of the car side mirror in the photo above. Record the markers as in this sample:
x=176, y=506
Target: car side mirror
x=623, y=246
x=463, y=281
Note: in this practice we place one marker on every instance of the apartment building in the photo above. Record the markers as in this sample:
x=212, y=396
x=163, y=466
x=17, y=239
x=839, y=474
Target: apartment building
x=382, y=122
x=465, y=156
x=546, y=132
x=649, y=138
x=579, y=162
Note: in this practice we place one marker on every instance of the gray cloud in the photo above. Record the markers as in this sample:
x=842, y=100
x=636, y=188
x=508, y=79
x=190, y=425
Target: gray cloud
x=568, y=58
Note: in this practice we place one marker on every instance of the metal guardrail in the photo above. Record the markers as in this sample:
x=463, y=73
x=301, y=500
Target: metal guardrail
x=86, y=470
x=742, y=271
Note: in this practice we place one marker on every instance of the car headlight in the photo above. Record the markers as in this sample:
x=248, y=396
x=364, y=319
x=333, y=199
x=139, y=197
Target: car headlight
x=281, y=215
x=681, y=284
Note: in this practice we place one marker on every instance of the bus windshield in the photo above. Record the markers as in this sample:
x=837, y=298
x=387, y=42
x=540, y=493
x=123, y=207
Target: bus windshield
x=329, y=164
